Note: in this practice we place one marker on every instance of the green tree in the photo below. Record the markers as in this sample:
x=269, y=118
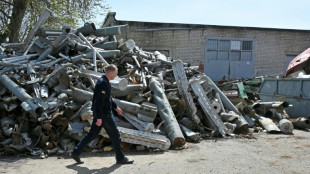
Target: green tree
x=17, y=17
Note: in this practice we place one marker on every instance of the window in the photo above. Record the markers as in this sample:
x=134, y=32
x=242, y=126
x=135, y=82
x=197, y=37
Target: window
x=229, y=49
x=247, y=45
x=212, y=44
x=235, y=45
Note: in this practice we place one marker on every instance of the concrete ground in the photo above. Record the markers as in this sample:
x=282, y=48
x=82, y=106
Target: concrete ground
x=260, y=153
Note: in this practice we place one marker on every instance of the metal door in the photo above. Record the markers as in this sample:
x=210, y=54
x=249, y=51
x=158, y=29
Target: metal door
x=228, y=57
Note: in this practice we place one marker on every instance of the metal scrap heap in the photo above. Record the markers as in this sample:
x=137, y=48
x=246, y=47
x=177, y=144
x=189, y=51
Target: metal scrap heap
x=46, y=88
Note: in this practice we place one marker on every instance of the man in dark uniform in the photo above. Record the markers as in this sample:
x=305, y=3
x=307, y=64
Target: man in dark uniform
x=102, y=106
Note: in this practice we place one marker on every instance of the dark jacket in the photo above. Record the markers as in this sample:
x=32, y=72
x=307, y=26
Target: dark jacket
x=102, y=101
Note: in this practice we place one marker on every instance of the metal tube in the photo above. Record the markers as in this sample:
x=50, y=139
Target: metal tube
x=166, y=114
x=58, y=40
x=80, y=95
x=286, y=126
x=87, y=29
x=19, y=58
x=20, y=93
x=106, y=54
x=117, y=83
x=140, y=125
x=275, y=104
x=26, y=51
x=107, y=45
x=102, y=59
x=127, y=106
x=267, y=124
x=41, y=20
x=109, y=31
x=94, y=61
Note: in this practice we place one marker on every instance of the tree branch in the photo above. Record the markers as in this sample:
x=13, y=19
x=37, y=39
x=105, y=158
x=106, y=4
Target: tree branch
x=6, y=2
x=4, y=20
x=4, y=13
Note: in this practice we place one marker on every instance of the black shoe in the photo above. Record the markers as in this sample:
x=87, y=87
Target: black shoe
x=125, y=161
x=77, y=158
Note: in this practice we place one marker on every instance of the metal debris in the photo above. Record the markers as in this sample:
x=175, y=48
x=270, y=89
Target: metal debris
x=47, y=83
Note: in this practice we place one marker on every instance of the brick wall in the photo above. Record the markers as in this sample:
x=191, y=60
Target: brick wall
x=270, y=45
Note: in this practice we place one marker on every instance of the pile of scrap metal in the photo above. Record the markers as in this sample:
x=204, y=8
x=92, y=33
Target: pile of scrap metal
x=293, y=88
x=239, y=89
x=267, y=103
x=270, y=101
x=46, y=87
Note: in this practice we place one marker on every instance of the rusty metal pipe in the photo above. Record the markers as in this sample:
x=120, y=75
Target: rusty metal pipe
x=21, y=94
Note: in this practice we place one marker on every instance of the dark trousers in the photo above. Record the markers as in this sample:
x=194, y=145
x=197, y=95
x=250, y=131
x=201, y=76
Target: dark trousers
x=108, y=123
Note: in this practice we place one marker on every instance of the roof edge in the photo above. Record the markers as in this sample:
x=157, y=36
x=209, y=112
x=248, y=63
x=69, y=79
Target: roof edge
x=111, y=20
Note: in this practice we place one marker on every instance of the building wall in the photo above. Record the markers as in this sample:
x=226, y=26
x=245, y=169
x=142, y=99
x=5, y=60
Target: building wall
x=270, y=45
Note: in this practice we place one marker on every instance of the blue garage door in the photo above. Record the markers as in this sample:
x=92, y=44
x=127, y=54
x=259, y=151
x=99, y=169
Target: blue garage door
x=228, y=57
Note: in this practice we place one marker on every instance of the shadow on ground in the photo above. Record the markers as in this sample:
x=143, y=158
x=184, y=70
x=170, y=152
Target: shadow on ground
x=83, y=170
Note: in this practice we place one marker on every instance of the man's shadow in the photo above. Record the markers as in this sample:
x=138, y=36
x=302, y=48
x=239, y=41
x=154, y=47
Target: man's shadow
x=83, y=170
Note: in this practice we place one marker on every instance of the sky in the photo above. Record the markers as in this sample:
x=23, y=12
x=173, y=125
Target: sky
x=285, y=14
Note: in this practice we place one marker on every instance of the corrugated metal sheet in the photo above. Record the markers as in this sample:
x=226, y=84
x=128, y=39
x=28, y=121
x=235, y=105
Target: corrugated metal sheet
x=295, y=91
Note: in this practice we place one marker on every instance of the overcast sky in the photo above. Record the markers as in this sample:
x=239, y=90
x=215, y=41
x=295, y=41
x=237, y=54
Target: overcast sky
x=290, y=14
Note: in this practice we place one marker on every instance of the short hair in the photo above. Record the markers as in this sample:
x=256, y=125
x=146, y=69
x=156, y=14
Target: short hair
x=110, y=68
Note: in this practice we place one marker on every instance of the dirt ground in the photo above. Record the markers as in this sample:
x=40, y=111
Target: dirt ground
x=262, y=153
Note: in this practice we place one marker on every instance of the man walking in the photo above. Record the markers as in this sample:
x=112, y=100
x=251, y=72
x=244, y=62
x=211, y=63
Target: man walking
x=102, y=105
